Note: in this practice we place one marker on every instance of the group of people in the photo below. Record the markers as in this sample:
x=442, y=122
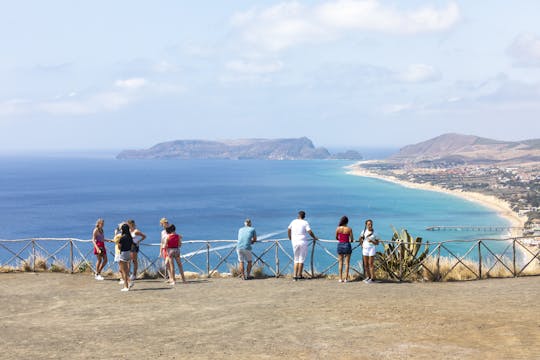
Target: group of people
x=127, y=239
x=298, y=231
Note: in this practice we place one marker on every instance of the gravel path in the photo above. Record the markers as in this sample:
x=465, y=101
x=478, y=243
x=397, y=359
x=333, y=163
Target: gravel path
x=51, y=316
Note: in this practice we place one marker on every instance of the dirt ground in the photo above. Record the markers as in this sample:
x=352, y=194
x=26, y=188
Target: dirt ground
x=48, y=315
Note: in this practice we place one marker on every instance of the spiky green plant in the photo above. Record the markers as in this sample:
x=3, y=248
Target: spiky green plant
x=402, y=258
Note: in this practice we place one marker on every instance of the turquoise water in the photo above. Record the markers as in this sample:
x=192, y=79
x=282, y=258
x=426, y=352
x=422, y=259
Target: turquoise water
x=209, y=199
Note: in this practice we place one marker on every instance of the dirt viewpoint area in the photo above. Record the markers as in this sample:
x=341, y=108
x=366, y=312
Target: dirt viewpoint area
x=50, y=316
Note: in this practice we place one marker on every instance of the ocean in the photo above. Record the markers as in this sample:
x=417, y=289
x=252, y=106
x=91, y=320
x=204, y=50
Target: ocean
x=62, y=197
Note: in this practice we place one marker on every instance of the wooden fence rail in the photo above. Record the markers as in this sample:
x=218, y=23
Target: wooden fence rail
x=275, y=257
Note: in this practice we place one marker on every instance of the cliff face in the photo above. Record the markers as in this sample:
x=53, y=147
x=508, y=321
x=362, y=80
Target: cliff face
x=268, y=149
x=468, y=148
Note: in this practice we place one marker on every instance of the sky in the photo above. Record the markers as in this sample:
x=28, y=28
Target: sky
x=345, y=73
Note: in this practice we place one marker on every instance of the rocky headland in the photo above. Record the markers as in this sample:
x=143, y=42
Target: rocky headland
x=239, y=149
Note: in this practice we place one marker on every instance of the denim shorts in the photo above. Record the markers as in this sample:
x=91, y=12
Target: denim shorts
x=344, y=248
x=125, y=256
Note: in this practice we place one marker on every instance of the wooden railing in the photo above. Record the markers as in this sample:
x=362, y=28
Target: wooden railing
x=275, y=257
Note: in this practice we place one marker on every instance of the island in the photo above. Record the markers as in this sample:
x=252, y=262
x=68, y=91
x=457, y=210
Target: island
x=239, y=149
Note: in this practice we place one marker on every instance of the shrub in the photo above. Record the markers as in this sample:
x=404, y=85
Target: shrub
x=401, y=258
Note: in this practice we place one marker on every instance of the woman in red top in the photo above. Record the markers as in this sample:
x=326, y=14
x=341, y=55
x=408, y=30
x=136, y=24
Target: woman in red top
x=344, y=236
x=98, y=239
x=172, y=247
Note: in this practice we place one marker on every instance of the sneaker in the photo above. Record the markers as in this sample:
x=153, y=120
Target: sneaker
x=99, y=277
x=295, y=278
x=132, y=277
x=345, y=280
x=340, y=280
x=124, y=289
x=367, y=280
x=121, y=281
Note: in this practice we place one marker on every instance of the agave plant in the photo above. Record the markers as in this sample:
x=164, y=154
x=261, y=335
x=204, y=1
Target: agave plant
x=402, y=257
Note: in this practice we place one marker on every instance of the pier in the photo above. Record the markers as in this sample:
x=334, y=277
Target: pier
x=488, y=228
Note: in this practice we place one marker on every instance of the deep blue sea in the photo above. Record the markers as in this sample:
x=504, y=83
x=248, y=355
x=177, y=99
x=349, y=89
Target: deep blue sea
x=209, y=199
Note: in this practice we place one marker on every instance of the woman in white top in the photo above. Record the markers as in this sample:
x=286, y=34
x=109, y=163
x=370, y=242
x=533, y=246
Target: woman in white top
x=163, y=244
x=369, y=239
x=137, y=236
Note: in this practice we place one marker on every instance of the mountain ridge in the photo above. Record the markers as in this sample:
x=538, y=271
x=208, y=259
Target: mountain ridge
x=453, y=147
x=238, y=149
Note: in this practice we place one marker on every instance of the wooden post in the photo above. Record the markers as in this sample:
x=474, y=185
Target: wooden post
x=71, y=254
x=277, y=258
x=33, y=255
x=514, y=257
x=401, y=261
x=479, y=260
x=312, y=253
x=438, y=277
x=207, y=259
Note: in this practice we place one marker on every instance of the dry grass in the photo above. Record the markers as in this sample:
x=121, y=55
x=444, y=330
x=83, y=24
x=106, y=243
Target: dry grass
x=490, y=269
x=58, y=266
x=8, y=269
x=234, y=271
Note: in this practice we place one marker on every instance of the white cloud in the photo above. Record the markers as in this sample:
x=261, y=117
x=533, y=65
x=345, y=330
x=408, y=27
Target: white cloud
x=525, y=50
x=288, y=24
x=419, y=73
x=496, y=93
x=116, y=96
x=397, y=108
x=252, y=67
x=105, y=101
x=131, y=84
x=372, y=15
x=13, y=107
x=164, y=67
x=280, y=26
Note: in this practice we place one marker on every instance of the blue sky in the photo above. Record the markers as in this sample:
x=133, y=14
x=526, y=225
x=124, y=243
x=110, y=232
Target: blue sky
x=129, y=74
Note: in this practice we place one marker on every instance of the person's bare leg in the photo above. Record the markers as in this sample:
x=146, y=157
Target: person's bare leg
x=124, y=271
x=347, y=261
x=98, y=264
x=366, y=267
x=135, y=264
x=180, y=268
x=248, y=271
x=372, y=267
x=340, y=267
x=241, y=269
x=172, y=273
x=300, y=270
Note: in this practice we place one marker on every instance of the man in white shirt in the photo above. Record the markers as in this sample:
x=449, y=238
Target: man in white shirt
x=297, y=232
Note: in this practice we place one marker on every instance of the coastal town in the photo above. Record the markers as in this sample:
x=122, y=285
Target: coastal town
x=518, y=185
x=489, y=171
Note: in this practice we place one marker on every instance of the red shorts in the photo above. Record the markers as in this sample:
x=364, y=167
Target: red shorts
x=100, y=245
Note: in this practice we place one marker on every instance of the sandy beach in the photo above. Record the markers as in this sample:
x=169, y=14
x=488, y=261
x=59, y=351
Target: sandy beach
x=61, y=316
x=500, y=206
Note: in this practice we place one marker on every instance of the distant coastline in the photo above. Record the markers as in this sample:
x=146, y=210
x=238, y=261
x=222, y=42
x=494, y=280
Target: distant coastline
x=501, y=207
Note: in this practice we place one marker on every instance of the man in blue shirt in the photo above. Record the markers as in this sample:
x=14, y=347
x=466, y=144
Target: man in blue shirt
x=246, y=237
